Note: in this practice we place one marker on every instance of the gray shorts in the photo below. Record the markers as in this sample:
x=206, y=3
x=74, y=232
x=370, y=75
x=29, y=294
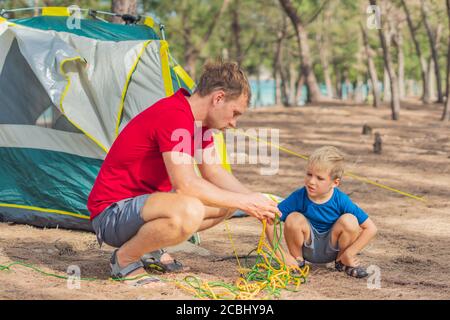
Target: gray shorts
x=319, y=250
x=119, y=222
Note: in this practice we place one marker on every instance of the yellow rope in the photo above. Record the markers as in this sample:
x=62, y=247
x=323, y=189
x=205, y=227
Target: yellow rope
x=261, y=281
x=348, y=173
x=267, y=277
x=232, y=244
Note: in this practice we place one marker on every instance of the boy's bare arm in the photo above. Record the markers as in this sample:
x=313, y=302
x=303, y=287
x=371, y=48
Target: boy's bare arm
x=369, y=231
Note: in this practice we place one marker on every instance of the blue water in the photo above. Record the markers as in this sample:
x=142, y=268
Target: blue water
x=267, y=92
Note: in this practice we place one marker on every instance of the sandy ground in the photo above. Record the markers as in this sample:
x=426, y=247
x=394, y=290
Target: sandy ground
x=412, y=248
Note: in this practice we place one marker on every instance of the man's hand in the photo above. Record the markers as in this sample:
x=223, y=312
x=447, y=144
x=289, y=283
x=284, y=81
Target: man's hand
x=260, y=207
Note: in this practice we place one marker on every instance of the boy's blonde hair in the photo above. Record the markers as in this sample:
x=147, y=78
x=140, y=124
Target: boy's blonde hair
x=328, y=158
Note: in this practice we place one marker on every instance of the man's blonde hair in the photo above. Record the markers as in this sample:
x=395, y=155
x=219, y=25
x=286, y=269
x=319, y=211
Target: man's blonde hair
x=328, y=158
x=226, y=76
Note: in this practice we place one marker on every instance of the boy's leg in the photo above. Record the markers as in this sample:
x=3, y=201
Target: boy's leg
x=296, y=232
x=344, y=232
x=280, y=252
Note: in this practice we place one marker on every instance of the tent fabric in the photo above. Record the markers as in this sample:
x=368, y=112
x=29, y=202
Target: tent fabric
x=93, y=29
x=18, y=136
x=46, y=218
x=84, y=78
x=59, y=181
x=65, y=94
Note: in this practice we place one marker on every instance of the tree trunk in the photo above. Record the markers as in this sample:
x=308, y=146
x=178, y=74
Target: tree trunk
x=410, y=92
x=277, y=91
x=299, y=87
x=123, y=7
x=193, y=50
x=314, y=94
x=387, y=97
x=434, y=51
x=423, y=65
x=283, y=69
x=358, y=95
x=438, y=35
x=348, y=85
x=258, y=100
x=446, y=112
x=277, y=61
x=324, y=41
x=328, y=84
x=337, y=73
x=372, y=69
x=191, y=59
x=323, y=53
x=401, y=64
x=386, y=86
x=284, y=83
x=293, y=76
x=236, y=30
x=395, y=99
x=190, y=52
x=431, y=79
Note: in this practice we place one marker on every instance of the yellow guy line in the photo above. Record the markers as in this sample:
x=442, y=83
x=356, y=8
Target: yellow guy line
x=350, y=174
x=232, y=244
x=17, y=206
x=365, y=180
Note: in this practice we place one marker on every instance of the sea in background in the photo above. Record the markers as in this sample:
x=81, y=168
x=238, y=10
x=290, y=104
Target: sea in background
x=263, y=92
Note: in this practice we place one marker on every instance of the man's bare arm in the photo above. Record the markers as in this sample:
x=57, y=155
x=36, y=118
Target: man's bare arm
x=180, y=167
x=214, y=172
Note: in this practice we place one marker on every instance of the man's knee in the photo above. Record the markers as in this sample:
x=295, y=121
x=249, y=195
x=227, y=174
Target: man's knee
x=188, y=215
x=348, y=223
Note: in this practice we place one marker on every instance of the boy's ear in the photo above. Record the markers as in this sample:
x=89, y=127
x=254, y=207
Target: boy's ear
x=336, y=182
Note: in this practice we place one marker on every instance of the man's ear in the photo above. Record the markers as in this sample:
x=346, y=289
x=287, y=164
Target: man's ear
x=218, y=96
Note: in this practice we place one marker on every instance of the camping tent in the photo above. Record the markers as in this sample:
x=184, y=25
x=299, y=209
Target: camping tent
x=65, y=94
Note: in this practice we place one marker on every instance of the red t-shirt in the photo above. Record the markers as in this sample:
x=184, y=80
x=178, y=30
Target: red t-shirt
x=134, y=164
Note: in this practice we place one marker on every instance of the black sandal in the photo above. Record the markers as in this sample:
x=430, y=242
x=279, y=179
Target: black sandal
x=301, y=268
x=356, y=272
x=152, y=262
x=122, y=274
x=301, y=263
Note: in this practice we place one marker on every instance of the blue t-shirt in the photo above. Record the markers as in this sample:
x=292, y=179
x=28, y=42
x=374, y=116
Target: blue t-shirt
x=321, y=216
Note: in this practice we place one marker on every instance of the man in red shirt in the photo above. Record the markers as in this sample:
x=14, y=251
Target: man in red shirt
x=147, y=195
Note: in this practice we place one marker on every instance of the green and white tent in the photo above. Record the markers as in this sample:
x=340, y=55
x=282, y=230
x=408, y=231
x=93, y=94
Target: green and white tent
x=65, y=94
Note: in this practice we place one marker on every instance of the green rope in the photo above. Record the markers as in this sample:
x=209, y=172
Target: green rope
x=8, y=268
x=256, y=273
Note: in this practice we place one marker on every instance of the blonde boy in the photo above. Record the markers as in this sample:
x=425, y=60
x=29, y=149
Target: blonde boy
x=321, y=223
